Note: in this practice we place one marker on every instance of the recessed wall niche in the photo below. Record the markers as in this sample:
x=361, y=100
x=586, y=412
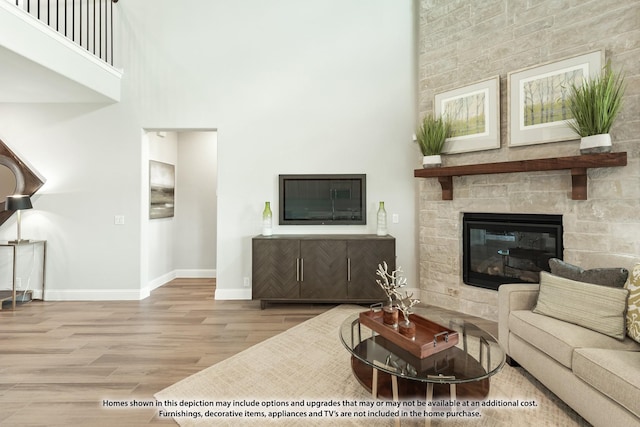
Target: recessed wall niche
x=16, y=177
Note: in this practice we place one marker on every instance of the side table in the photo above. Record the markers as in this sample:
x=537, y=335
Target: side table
x=15, y=250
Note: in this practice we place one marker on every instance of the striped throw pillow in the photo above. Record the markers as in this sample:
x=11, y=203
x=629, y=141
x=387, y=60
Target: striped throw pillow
x=596, y=307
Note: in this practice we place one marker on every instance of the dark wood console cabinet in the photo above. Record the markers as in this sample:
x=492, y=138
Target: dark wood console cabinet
x=320, y=268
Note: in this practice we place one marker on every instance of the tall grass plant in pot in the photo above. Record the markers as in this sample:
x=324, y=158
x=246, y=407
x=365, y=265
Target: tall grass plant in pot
x=594, y=106
x=431, y=136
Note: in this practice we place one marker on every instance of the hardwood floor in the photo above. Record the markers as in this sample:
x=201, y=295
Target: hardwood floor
x=59, y=361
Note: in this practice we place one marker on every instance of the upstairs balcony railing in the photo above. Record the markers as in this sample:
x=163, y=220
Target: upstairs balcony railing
x=88, y=23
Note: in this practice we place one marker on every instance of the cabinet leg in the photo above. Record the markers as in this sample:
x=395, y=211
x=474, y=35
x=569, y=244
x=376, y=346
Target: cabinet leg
x=263, y=304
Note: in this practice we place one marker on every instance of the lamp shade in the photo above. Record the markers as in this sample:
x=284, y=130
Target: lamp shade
x=18, y=202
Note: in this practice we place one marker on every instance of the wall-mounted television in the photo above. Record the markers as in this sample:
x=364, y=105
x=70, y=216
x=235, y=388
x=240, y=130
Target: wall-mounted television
x=329, y=199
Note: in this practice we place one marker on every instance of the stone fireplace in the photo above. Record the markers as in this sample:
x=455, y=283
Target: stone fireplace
x=508, y=248
x=459, y=45
x=602, y=231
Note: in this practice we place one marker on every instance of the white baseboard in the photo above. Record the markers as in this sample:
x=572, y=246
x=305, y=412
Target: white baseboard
x=196, y=274
x=96, y=295
x=125, y=294
x=180, y=274
x=162, y=280
x=232, y=294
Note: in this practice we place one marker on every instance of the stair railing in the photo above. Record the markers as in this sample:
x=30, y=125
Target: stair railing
x=88, y=23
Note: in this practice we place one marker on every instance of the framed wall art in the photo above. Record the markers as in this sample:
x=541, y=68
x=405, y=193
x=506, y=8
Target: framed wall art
x=474, y=111
x=538, y=99
x=162, y=183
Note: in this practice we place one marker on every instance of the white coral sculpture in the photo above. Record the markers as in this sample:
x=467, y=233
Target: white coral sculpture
x=390, y=282
x=405, y=304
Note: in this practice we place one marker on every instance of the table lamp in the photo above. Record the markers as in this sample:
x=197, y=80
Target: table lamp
x=18, y=202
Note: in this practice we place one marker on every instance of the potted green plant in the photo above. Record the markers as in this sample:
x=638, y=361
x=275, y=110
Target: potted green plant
x=594, y=106
x=431, y=136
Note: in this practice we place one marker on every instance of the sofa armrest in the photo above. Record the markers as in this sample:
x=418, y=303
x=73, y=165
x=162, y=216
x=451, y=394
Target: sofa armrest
x=514, y=296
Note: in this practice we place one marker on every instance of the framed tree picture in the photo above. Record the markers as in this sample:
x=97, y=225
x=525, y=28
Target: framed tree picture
x=474, y=112
x=538, y=99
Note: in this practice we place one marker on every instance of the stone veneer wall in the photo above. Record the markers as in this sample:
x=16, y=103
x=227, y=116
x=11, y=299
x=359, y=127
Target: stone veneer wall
x=464, y=41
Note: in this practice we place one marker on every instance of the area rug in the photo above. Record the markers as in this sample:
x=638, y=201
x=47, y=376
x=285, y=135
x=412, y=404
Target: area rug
x=303, y=377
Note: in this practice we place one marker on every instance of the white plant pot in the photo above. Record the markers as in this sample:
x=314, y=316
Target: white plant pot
x=595, y=144
x=433, y=161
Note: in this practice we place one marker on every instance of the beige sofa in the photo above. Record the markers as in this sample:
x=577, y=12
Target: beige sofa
x=596, y=375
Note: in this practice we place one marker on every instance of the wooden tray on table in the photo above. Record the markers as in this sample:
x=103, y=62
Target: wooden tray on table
x=430, y=338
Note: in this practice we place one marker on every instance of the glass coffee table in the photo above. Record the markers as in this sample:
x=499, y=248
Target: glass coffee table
x=389, y=371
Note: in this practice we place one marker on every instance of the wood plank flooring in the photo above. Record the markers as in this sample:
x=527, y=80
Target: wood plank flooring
x=59, y=361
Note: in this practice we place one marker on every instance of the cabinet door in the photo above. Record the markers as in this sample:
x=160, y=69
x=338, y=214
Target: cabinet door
x=364, y=256
x=323, y=269
x=274, y=268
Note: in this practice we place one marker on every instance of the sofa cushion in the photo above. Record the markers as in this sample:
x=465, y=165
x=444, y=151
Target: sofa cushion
x=559, y=339
x=615, y=277
x=633, y=304
x=614, y=373
x=596, y=307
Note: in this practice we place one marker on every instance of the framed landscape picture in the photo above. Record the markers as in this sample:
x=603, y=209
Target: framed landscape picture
x=474, y=111
x=162, y=179
x=538, y=99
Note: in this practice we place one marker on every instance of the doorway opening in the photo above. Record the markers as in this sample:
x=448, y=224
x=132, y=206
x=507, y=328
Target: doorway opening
x=182, y=245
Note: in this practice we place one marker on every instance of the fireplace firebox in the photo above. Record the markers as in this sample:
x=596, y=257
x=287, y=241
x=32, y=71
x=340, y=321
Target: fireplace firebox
x=508, y=248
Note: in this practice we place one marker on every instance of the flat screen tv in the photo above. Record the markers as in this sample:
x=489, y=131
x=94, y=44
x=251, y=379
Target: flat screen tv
x=323, y=199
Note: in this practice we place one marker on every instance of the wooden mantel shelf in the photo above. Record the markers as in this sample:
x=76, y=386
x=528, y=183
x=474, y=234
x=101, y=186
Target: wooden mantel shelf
x=577, y=164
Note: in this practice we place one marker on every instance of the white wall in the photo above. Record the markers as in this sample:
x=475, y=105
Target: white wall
x=196, y=206
x=90, y=156
x=162, y=232
x=317, y=86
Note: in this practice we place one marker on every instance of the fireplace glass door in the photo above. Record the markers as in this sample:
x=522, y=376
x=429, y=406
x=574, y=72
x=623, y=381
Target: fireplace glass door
x=508, y=248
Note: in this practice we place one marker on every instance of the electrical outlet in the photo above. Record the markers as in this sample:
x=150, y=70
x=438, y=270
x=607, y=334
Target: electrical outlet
x=247, y=282
x=395, y=218
x=118, y=220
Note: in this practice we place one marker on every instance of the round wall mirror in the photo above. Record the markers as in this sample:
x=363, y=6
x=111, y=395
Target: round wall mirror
x=11, y=178
x=7, y=183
